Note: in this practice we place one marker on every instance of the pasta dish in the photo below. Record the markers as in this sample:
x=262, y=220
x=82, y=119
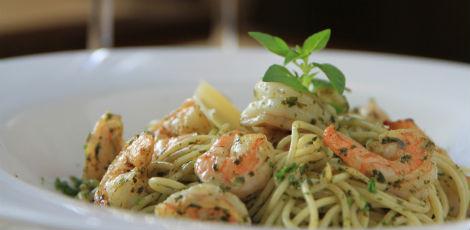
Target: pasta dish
x=296, y=156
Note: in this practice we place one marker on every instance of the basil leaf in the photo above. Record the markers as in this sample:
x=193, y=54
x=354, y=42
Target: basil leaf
x=317, y=41
x=272, y=43
x=321, y=84
x=307, y=79
x=290, y=56
x=278, y=73
x=327, y=93
x=336, y=77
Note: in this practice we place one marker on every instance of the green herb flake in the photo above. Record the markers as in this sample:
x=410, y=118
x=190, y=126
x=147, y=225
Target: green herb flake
x=290, y=101
x=240, y=180
x=65, y=188
x=371, y=186
x=387, y=140
x=350, y=201
x=377, y=174
x=405, y=158
x=281, y=174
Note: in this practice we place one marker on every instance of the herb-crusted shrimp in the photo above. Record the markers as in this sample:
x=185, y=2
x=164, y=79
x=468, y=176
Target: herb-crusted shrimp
x=126, y=179
x=204, y=202
x=102, y=145
x=188, y=118
x=403, y=159
x=276, y=106
x=238, y=162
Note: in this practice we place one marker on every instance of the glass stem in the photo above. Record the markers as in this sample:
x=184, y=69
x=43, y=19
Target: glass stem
x=101, y=24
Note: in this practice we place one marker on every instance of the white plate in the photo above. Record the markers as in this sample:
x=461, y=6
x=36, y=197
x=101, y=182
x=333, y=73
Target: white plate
x=49, y=103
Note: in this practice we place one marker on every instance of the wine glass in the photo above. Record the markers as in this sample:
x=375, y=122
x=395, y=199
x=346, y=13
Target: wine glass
x=100, y=24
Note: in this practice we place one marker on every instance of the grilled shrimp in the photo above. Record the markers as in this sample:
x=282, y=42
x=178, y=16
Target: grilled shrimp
x=125, y=181
x=102, y=146
x=404, y=161
x=410, y=124
x=238, y=162
x=204, y=202
x=186, y=119
x=277, y=106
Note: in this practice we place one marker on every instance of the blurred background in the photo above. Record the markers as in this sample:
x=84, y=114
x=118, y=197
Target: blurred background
x=430, y=28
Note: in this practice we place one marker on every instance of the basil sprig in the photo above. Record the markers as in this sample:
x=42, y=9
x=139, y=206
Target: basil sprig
x=299, y=57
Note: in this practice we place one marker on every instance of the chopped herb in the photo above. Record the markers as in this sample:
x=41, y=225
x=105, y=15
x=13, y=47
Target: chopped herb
x=66, y=188
x=193, y=205
x=281, y=174
x=366, y=207
x=271, y=164
x=251, y=173
x=179, y=197
x=225, y=188
x=237, y=161
x=429, y=144
x=293, y=181
x=303, y=169
x=313, y=121
x=97, y=150
x=378, y=175
x=332, y=119
x=226, y=216
x=405, y=158
x=388, y=140
x=350, y=201
x=397, y=184
x=343, y=151
x=215, y=167
x=371, y=186
x=240, y=180
x=290, y=101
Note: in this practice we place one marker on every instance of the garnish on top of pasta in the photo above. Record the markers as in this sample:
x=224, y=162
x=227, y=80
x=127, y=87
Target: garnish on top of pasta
x=296, y=156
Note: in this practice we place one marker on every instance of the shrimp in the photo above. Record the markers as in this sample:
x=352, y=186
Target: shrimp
x=185, y=120
x=125, y=181
x=102, y=146
x=410, y=124
x=204, y=202
x=238, y=162
x=406, y=170
x=276, y=106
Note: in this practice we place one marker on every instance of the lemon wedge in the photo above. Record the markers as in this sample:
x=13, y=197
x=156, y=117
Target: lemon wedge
x=217, y=108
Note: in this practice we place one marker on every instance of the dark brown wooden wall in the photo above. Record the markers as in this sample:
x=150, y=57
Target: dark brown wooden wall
x=431, y=28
